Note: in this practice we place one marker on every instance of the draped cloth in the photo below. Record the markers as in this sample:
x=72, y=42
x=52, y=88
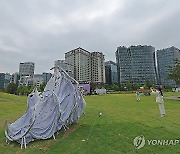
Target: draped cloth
x=58, y=106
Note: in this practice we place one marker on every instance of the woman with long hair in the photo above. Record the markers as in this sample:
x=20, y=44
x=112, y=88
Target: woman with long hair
x=159, y=100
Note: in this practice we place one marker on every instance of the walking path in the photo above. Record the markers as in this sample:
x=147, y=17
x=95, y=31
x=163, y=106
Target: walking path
x=173, y=97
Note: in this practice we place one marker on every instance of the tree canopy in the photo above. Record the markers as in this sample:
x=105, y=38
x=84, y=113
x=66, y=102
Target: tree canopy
x=11, y=88
x=175, y=72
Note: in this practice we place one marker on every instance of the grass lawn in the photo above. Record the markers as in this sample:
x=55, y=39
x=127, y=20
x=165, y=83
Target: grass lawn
x=123, y=118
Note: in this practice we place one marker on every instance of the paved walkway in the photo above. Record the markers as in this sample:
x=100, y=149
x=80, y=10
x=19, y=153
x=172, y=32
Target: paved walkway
x=173, y=97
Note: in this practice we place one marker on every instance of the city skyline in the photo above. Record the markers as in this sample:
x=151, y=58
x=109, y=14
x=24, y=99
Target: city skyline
x=136, y=64
x=50, y=71
x=42, y=31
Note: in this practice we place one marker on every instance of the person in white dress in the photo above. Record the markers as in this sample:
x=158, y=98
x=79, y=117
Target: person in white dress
x=159, y=100
x=137, y=95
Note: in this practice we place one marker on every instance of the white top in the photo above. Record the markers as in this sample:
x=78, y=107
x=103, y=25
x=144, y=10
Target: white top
x=159, y=97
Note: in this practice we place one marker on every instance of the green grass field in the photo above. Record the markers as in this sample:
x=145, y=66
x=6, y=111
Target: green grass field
x=123, y=118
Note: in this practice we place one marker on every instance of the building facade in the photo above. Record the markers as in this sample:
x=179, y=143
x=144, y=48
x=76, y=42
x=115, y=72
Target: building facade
x=136, y=64
x=166, y=59
x=26, y=73
x=26, y=69
x=87, y=66
x=46, y=77
x=5, y=79
x=15, y=78
x=26, y=81
x=80, y=59
x=97, y=67
x=65, y=66
x=111, y=72
x=38, y=79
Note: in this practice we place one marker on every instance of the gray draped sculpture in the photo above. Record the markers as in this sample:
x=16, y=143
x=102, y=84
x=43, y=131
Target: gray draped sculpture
x=60, y=105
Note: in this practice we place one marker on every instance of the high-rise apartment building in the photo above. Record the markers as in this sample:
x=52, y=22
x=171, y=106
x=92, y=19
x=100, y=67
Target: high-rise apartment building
x=166, y=59
x=65, y=66
x=97, y=67
x=26, y=73
x=81, y=62
x=87, y=66
x=26, y=69
x=136, y=64
x=111, y=72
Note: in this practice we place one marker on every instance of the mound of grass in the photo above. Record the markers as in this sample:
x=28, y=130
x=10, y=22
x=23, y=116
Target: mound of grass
x=123, y=118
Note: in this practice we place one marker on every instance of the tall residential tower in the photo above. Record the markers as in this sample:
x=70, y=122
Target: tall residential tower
x=26, y=73
x=26, y=69
x=65, y=66
x=87, y=66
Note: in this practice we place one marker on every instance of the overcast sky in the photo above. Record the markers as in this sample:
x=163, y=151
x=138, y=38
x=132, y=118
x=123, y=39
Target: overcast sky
x=41, y=31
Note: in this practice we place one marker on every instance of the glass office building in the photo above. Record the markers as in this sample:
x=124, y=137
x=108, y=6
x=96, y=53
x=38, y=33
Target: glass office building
x=111, y=72
x=136, y=64
x=46, y=77
x=5, y=79
x=166, y=59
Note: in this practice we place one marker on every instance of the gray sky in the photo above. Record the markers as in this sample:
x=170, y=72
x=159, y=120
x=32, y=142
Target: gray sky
x=41, y=31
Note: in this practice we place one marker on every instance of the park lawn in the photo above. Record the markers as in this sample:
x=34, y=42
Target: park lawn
x=123, y=118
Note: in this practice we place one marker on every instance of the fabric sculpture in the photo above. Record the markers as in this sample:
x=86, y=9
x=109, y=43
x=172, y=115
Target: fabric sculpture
x=60, y=105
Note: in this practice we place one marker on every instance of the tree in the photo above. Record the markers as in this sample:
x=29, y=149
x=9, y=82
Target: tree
x=175, y=72
x=128, y=85
x=136, y=86
x=11, y=88
x=148, y=84
x=30, y=89
x=42, y=86
x=115, y=87
x=22, y=90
